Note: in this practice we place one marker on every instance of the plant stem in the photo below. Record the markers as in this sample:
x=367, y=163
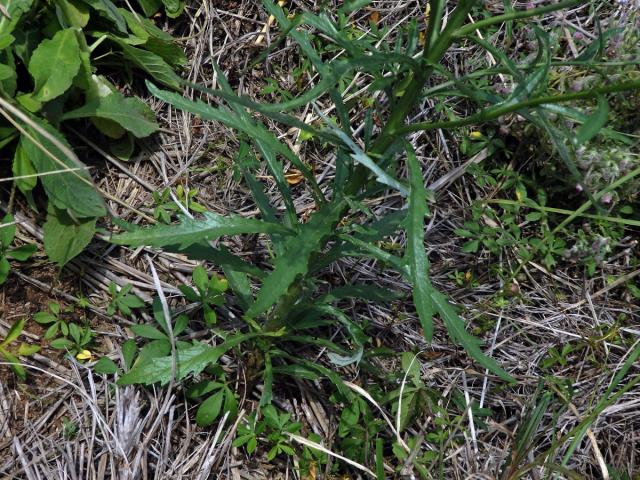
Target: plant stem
x=492, y=113
x=517, y=15
x=430, y=57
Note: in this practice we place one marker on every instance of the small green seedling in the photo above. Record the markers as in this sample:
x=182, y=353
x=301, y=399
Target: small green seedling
x=11, y=355
x=166, y=208
x=272, y=429
x=76, y=342
x=219, y=398
x=122, y=301
x=22, y=253
x=210, y=292
x=54, y=321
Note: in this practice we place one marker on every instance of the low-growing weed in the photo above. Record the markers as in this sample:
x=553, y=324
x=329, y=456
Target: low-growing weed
x=272, y=428
x=53, y=319
x=210, y=292
x=21, y=254
x=11, y=353
x=64, y=334
x=287, y=311
x=56, y=60
x=166, y=208
x=122, y=300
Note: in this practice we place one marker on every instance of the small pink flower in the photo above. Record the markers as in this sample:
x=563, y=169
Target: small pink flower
x=607, y=198
x=531, y=5
x=579, y=187
x=578, y=35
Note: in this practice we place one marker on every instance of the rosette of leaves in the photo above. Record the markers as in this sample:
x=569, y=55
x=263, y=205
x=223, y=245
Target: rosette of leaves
x=53, y=60
x=284, y=301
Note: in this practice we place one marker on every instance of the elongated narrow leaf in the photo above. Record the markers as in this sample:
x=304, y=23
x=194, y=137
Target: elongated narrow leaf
x=458, y=333
x=22, y=167
x=594, y=123
x=267, y=144
x=365, y=160
x=295, y=259
x=191, y=231
x=14, y=332
x=363, y=292
x=416, y=256
x=189, y=360
x=218, y=257
x=151, y=63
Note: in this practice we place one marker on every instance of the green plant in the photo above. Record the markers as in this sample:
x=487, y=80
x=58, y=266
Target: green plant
x=218, y=397
x=64, y=334
x=157, y=343
x=294, y=306
x=289, y=294
x=210, y=292
x=122, y=301
x=272, y=428
x=166, y=208
x=76, y=342
x=22, y=253
x=11, y=354
x=52, y=318
x=54, y=58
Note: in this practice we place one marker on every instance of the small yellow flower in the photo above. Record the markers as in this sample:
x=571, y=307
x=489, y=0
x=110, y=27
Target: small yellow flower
x=475, y=135
x=84, y=355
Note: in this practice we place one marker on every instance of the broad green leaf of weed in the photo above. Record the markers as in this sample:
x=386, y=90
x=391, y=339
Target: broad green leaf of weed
x=23, y=252
x=6, y=72
x=154, y=39
x=147, y=331
x=416, y=256
x=151, y=63
x=72, y=190
x=105, y=366
x=594, y=123
x=22, y=167
x=7, y=231
x=210, y=409
x=64, y=237
x=189, y=360
x=76, y=12
x=295, y=259
x=15, y=9
x=174, y=8
x=54, y=64
x=150, y=7
x=109, y=11
x=130, y=113
x=191, y=231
